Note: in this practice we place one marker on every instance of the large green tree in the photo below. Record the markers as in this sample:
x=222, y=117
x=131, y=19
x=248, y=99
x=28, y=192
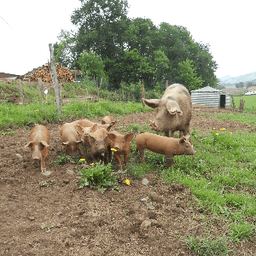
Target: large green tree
x=132, y=49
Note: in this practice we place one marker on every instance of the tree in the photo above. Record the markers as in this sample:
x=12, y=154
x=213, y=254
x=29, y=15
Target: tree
x=187, y=75
x=239, y=85
x=91, y=64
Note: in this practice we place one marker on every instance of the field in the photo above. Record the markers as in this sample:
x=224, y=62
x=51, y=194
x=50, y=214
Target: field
x=205, y=205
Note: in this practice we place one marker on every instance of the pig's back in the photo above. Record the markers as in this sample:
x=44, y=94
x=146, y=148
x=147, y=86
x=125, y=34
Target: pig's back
x=40, y=133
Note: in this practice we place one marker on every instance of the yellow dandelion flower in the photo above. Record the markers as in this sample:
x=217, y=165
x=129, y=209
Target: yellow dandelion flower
x=127, y=182
x=213, y=128
x=113, y=149
x=230, y=133
x=222, y=129
x=150, y=120
x=92, y=164
x=82, y=160
x=217, y=133
x=36, y=110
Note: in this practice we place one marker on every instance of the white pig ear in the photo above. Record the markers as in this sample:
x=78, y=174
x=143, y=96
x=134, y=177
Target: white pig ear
x=45, y=144
x=29, y=144
x=152, y=103
x=65, y=143
x=173, y=107
x=129, y=137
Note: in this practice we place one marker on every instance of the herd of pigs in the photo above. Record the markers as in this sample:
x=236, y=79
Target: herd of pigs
x=100, y=141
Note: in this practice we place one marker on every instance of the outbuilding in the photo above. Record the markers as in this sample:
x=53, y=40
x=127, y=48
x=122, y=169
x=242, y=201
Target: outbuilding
x=210, y=97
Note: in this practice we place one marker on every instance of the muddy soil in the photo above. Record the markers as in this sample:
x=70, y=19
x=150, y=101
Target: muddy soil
x=48, y=215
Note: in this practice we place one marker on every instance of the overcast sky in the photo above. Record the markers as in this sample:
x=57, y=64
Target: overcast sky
x=27, y=27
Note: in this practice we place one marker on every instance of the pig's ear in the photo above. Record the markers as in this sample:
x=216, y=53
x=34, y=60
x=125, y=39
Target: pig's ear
x=153, y=103
x=106, y=139
x=129, y=137
x=110, y=126
x=183, y=139
x=44, y=144
x=173, y=107
x=79, y=129
x=187, y=137
x=78, y=141
x=111, y=136
x=94, y=128
x=91, y=139
x=29, y=144
x=103, y=122
x=65, y=143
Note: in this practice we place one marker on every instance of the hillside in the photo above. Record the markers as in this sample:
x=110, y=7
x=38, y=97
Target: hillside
x=250, y=77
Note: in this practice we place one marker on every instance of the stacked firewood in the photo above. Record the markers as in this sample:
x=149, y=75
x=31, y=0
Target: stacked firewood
x=64, y=75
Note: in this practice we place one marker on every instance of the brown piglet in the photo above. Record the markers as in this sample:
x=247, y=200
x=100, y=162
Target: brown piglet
x=70, y=139
x=99, y=146
x=120, y=144
x=167, y=146
x=39, y=144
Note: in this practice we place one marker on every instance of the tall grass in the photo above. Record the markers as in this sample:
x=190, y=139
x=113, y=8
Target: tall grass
x=21, y=115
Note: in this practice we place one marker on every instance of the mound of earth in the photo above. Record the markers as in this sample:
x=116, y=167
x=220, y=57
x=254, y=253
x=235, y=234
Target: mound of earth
x=48, y=215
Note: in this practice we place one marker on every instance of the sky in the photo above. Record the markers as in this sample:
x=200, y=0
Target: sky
x=28, y=27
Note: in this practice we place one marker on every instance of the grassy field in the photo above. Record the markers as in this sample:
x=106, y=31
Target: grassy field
x=250, y=102
x=222, y=175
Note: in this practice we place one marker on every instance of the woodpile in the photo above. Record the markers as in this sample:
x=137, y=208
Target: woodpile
x=64, y=75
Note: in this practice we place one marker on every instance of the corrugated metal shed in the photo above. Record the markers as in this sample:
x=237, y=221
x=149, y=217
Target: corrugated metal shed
x=210, y=97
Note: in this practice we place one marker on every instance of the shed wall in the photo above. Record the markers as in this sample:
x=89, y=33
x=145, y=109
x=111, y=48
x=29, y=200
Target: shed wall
x=209, y=99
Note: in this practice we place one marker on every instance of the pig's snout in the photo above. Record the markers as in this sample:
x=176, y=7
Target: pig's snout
x=116, y=147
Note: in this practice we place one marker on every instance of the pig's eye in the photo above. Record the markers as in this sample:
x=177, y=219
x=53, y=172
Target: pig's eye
x=123, y=142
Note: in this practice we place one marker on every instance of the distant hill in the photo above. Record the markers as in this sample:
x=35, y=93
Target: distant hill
x=234, y=80
x=224, y=78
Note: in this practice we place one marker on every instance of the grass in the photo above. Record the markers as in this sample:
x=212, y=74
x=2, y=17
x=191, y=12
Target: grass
x=249, y=105
x=23, y=115
x=221, y=175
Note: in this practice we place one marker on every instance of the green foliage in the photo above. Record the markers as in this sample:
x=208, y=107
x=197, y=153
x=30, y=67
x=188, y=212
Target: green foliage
x=188, y=75
x=241, y=231
x=207, y=246
x=91, y=65
x=133, y=49
x=99, y=176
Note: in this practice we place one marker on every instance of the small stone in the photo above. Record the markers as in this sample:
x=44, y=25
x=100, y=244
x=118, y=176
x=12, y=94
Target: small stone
x=150, y=206
x=70, y=172
x=19, y=155
x=145, y=181
x=144, y=199
x=47, y=173
x=145, y=225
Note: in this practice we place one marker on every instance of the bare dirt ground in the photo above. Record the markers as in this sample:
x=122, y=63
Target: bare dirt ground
x=54, y=218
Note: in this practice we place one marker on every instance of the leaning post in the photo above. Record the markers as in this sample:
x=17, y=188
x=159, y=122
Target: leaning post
x=55, y=80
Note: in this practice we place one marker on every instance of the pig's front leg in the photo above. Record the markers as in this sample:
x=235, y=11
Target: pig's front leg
x=43, y=167
x=119, y=160
x=169, y=161
x=142, y=155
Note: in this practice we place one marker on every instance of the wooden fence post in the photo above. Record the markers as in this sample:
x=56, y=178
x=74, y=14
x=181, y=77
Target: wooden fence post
x=101, y=80
x=143, y=93
x=55, y=80
x=241, y=107
x=40, y=85
x=21, y=92
x=98, y=93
